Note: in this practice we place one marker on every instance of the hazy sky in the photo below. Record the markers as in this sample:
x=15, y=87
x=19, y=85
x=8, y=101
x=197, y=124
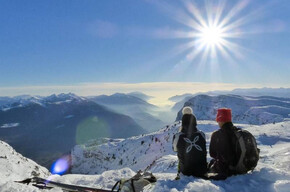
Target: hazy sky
x=56, y=43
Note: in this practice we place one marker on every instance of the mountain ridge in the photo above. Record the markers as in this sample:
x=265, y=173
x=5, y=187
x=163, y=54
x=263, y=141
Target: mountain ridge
x=62, y=122
x=245, y=109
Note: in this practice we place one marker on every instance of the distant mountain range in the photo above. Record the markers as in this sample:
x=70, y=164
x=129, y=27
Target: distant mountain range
x=255, y=92
x=140, y=95
x=132, y=105
x=245, y=109
x=44, y=128
x=178, y=98
x=119, y=99
x=275, y=92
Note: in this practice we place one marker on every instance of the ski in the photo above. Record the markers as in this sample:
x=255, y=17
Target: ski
x=46, y=184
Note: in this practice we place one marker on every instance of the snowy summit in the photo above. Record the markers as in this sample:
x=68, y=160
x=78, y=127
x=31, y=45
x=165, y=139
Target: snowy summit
x=101, y=165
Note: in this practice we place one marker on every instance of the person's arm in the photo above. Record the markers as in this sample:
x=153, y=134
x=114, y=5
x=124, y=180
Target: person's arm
x=213, y=144
x=175, y=141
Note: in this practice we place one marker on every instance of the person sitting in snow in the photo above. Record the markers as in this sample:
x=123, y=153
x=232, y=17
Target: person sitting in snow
x=234, y=151
x=220, y=148
x=190, y=145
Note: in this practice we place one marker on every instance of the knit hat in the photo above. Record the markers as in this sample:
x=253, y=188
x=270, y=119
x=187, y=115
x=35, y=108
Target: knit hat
x=188, y=121
x=187, y=110
x=224, y=115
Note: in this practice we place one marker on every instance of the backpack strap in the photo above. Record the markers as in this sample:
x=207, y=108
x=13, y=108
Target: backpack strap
x=232, y=137
x=202, y=133
x=240, y=140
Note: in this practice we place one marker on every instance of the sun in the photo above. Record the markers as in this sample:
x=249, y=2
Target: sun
x=214, y=32
x=211, y=36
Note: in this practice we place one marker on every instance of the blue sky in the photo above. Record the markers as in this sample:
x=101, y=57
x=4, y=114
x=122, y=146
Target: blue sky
x=69, y=42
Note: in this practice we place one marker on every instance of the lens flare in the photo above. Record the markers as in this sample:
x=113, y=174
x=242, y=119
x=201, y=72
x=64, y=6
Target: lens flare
x=61, y=165
x=92, y=128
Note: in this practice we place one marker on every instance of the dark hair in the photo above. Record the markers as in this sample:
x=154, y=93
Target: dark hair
x=188, y=124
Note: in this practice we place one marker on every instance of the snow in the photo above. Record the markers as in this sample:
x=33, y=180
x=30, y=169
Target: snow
x=245, y=109
x=69, y=116
x=17, y=187
x=101, y=160
x=15, y=167
x=6, y=108
x=272, y=172
x=59, y=126
x=9, y=125
x=25, y=100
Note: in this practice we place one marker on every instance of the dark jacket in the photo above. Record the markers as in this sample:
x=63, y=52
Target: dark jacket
x=221, y=151
x=190, y=145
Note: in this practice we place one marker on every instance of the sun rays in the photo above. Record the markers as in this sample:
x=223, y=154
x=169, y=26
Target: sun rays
x=213, y=30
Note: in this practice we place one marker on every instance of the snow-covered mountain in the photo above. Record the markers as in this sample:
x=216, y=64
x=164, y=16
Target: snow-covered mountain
x=245, y=109
x=44, y=128
x=155, y=149
x=256, y=92
x=5, y=100
x=178, y=105
x=7, y=103
x=15, y=167
x=283, y=93
x=140, y=95
x=129, y=104
x=271, y=174
x=120, y=99
x=178, y=98
x=110, y=159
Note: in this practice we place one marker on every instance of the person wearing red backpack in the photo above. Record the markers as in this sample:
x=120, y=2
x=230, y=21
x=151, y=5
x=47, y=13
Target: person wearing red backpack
x=234, y=151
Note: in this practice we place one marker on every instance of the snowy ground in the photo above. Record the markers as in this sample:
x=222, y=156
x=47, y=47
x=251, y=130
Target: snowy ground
x=271, y=174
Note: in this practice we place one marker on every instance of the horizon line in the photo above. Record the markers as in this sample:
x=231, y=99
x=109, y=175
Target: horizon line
x=93, y=88
x=160, y=91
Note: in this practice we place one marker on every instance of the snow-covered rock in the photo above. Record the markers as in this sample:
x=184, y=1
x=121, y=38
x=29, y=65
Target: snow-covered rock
x=15, y=167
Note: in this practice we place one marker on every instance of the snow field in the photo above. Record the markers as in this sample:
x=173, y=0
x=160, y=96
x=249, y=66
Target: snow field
x=102, y=161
